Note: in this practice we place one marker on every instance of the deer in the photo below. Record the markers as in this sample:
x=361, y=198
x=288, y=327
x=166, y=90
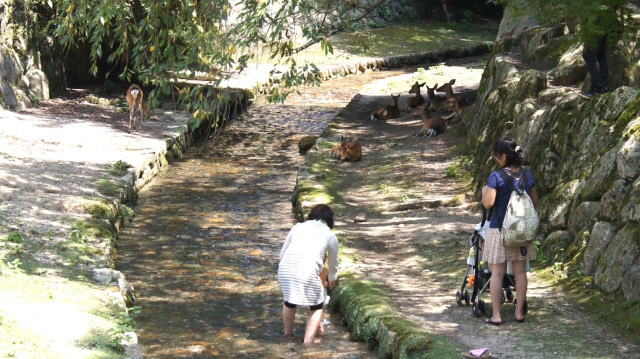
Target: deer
x=454, y=103
x=438, y=103
x=135, y=99
x=431, y=125
x=390, y=111
x=417, y=100
x=347, y=150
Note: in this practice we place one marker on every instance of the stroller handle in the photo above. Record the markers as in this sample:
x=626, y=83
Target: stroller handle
x=486, y=216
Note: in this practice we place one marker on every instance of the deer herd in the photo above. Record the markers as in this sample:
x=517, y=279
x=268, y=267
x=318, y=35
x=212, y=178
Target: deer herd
x=349, y=149
x=429, y=111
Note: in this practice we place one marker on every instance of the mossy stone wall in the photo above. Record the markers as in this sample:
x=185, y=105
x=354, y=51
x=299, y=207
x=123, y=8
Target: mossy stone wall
x=585, y=153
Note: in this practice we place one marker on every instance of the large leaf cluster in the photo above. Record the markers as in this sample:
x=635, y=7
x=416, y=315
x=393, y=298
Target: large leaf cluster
x=160, y=42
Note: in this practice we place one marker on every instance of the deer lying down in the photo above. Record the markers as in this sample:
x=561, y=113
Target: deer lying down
x=438, y=103
x=135, y=98
x=390, y=111
x=431, y=125
x=454, y=103
x=417, y=100
x=347, y=150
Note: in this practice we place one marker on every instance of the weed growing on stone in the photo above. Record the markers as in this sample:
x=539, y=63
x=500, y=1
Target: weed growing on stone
x=119, y=168
x=107, y=187
x=14, y=237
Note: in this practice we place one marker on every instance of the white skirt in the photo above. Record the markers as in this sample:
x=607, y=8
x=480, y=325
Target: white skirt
x=495, y=252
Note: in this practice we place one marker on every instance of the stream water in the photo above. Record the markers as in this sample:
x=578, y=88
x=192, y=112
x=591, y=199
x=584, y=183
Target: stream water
x=202, y=251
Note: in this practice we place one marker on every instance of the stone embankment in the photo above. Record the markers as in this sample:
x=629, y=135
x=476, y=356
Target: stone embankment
x=584, y=153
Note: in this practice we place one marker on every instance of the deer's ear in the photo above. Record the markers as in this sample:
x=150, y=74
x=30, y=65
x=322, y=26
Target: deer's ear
x=453, y=81
x=422, y=84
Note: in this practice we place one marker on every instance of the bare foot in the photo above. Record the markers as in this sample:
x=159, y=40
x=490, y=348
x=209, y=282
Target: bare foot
x=320, y=329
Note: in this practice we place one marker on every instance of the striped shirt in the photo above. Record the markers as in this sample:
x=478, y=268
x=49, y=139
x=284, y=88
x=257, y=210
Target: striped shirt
x=301, y=260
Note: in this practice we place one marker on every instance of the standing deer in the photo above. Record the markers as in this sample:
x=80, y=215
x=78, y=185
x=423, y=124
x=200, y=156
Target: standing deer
x=438, y=103
x=417, y=100
x=390, y=111
x=135, y=98
x=431, y=125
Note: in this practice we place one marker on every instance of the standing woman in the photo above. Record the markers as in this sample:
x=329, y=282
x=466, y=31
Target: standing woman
x=496, y=194
x=301, y=261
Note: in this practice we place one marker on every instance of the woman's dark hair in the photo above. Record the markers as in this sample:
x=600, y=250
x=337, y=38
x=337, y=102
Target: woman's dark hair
x=508, y=147
x=322, y=212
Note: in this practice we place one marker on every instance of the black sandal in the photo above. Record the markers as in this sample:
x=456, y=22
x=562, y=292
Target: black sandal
x=491, y=322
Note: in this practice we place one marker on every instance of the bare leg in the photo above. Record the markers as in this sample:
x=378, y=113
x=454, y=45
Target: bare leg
x=497, y=277
x=520, y=273
x=288, y=316
x=312, y=326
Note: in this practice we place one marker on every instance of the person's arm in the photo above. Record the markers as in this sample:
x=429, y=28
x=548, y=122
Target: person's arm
x=488, y=197
x=489, y=191
x=332, y=251
x=286, y=244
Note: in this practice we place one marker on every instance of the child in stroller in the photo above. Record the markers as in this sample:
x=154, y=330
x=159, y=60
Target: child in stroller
x=477, y=275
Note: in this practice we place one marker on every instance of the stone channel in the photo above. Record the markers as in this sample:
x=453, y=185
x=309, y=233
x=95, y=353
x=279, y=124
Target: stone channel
x=202, y=250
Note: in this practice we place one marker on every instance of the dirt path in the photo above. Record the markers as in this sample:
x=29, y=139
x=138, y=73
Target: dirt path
x=421, y=254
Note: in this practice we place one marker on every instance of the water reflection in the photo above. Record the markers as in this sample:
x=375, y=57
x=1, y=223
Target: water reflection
x=203, y=248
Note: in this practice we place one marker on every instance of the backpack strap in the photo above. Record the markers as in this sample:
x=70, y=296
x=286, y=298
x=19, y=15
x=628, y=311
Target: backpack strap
x=508, y=180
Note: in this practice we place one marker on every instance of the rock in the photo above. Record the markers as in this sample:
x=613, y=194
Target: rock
x=630, y=205
x=620, y=264
x=306, y=143
x=612, y=201
x=601, y=235
x=583, y=217
x=167, y=118
x=514, y=22
x=555, y=206
x=628, y=158
x=38, y=84
x=106, y=275
x=132, y=348
x=360, y=217
x=601, y=176
x=571, y=68
x=555, y=244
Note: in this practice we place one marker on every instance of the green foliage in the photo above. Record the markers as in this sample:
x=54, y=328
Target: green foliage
x=107, y=187
x=14, y=237
x=119, y=168
x=126, y=213
x=157, y=42
x=595, y=18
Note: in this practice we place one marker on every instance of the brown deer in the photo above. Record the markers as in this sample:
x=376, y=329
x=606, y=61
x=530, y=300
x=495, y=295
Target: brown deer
x=390, y=111
x=454, y=103
x=417, y=100
x=347, y=150
x=135, y=98
x=438, y=103
x=431, y=125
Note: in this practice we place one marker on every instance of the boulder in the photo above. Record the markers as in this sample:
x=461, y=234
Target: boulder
x=620, y=264
x=571, y=68
x=601, y=177
x=612, y=201
x=514, y=22
x=306, y=143
x=628, y=158
x=583, y=217
x=555, y=207
x=556, y=243
x=601, y=235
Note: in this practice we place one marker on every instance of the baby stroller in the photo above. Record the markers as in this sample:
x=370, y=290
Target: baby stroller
x=477, y=275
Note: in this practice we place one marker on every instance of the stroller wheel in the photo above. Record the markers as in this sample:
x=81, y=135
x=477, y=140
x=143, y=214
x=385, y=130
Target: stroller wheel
x=467, y=298
x=458, y=298
x=503, y=297
x=475, y=310
x=482, y=308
